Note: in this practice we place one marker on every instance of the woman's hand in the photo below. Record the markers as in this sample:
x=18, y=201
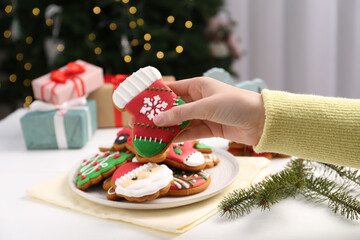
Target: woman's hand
x=217, y=110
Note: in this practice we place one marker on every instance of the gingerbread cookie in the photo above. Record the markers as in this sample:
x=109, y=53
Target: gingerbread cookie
x=100, y=166
x=139, y=182
x=211, y=160
x=203, y=148
x=239, y=149
x=188, y=183
x=110, y=192
x=144, y=95
x=185, y=156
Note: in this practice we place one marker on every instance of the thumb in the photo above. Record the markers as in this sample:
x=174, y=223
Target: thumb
x=178, y=114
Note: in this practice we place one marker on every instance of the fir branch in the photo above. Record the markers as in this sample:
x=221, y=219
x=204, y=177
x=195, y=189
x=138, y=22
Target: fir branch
x=238, y=203
x=340, y=201
x=348, y=174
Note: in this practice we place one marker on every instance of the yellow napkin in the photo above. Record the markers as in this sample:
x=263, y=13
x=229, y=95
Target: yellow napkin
x=175, y=220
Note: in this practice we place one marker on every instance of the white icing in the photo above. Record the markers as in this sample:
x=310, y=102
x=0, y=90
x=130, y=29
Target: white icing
x=194, y=159
x=143, y=187
x=153, y=106
x=89, y=168
x=135, y=84
x=180, y=181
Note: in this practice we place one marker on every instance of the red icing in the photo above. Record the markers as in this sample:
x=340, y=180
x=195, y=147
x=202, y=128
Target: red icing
x=127, y=152
x=116, y=155
x=79, y=173
x=82, y=177
x=106, y=154
x=136, y=104
x=96, y=155
x=187, y=148
x=95, y=163
x=87, y=163
x=84, y=160
x=125, y=168
x=98, y=169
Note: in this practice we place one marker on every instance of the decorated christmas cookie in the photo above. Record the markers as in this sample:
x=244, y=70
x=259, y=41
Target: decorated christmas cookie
x=188, y=183
x=139, y=182
x=144, y=95
x=211, y=160
x=185, y=156
x=202, y=147
x=239, y=149
x=123, y=141
x=110, y=192
x=100, y=166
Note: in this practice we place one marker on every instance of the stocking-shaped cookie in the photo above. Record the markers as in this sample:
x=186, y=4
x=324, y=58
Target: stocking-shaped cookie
x=144, y=96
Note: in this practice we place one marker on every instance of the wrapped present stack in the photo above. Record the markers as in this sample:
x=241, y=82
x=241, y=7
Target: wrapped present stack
x=61, y=117
x=107, y=115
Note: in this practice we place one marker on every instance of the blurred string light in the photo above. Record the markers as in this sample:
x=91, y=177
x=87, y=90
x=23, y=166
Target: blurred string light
x=147, y=37
x=98, y=50
x=7, y=34
x=134, y=42
x=179, y=49
x=8, y=8
x=125, y=1
x=127, y=58
x=60, y=47
x=49, y=22
x=170, y=19
x=35, y=11
x=160, y=55
x=27, y=66
x=92, y=36
x=188, y=24
x=96, y=10
x=19, y=57
x=12, y=78
x=28, y=99
x=132, y=10
x=140, y=22
x=147, y=46
x=112, y=26
x=27, y=82
x=29, y=40
x=132, y=24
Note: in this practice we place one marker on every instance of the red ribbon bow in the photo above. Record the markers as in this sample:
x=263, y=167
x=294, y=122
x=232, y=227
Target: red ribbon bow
x=115, y=79
x=61, y=76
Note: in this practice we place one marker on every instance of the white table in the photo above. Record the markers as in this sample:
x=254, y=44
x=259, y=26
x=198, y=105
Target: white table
x=24, y=218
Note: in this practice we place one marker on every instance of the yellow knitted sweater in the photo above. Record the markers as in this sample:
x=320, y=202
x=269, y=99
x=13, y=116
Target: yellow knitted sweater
x=317, y=128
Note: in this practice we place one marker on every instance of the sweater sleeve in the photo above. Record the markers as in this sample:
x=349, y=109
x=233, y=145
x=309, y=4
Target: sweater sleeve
x=317, y=128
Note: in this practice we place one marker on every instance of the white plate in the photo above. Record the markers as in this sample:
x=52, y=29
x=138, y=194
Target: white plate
x=222, y=176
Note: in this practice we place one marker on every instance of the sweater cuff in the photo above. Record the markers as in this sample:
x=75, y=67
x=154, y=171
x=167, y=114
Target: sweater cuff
x=325, y=129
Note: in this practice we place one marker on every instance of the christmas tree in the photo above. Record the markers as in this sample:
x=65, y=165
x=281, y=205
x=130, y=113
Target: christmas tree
x=120, y=36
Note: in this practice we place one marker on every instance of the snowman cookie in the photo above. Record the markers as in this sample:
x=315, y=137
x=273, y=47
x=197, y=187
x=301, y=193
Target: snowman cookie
x=144, y=96
x=100, y=166
x=139, y=182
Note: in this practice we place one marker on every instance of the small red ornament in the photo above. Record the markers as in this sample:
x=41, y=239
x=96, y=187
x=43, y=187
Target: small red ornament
x=78, y=174
x=98, y=169
x=106, y=154
x=128, y=152
x=95, y=163
x=82, y=177
x=116, y=155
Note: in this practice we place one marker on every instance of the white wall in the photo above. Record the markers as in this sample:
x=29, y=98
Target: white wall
x=302, y=46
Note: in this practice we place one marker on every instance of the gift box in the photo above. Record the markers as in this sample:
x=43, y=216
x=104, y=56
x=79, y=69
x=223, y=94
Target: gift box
x=59, y=129
x=107, y=115
x=71, y=81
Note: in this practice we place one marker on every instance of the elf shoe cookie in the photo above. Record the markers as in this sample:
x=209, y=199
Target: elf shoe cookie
x=144, y=96
x=139, y=182
x=188, y=183
x=100, y=166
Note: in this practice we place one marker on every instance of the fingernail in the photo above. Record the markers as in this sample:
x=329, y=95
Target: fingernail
x=159, y=119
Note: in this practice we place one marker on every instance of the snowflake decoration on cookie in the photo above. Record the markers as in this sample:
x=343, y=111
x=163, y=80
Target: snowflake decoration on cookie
x=153, y=106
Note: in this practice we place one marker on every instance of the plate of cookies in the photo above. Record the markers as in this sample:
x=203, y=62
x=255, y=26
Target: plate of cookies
x=144, y=169
x=191, y=172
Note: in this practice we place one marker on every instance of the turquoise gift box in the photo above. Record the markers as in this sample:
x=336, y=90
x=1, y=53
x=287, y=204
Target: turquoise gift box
x=52, y=130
